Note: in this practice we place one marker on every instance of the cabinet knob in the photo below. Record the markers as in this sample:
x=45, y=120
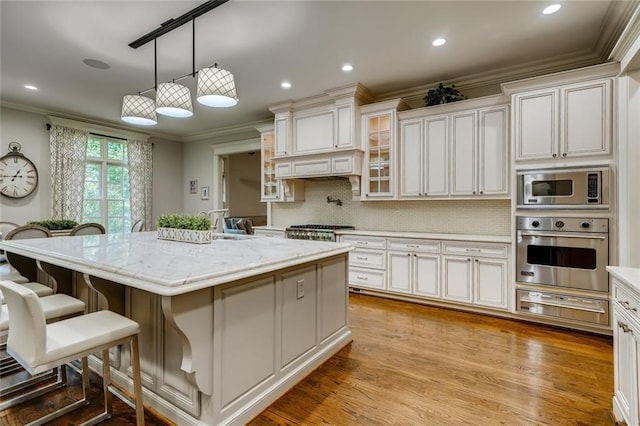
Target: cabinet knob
x=476, y=260
x=481, y=192
x=408, y=254
x=474, y=192
x=420, y=194
x=468, y=260
x=564, y=154
x=555, y=155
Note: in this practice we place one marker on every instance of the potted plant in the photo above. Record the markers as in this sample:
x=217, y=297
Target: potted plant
x=55, y=224
x=185, y=228
x=443, y=95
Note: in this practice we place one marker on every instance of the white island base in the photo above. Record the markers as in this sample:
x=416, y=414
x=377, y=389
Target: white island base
x=246, y=343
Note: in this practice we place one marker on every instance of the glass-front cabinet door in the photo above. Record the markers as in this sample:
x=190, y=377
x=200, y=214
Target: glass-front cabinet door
x=269, y=183
x=379, y=134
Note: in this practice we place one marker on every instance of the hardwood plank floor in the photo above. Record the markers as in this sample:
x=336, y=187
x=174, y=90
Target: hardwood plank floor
x=417, y=365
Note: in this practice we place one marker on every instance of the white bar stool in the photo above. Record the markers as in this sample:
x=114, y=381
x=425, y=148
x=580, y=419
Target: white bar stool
x=54, y=307
x=51, y=345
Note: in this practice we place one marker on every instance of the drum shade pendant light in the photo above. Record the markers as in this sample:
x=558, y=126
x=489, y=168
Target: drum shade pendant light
x=215, y=88
x=173, y=100
x=138, y=109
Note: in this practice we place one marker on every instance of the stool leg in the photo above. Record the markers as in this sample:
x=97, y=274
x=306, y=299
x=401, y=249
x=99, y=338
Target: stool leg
x=106, y=381
x=137, y=380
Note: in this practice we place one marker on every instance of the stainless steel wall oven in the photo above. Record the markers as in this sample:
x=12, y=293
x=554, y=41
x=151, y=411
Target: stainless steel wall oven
x=562, y=252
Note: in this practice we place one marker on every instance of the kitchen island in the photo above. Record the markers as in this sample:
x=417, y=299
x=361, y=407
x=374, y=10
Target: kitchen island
x=227, y=327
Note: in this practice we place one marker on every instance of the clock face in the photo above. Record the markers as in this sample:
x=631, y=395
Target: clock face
x=18, y=176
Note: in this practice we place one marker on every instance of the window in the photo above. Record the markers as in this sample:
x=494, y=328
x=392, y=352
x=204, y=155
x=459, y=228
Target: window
x=106, y=184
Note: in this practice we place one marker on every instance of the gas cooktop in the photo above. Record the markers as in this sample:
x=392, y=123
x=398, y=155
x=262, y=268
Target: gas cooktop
x=321, y=227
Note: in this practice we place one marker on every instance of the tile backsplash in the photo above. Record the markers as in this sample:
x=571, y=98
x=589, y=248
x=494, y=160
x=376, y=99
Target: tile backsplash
x=476, y=217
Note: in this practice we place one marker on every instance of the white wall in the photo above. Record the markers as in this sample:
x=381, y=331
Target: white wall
x=29, y=129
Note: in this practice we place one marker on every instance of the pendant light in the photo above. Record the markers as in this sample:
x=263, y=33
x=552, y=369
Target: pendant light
x=216, y=88
x=137, y=109
x=173, y=100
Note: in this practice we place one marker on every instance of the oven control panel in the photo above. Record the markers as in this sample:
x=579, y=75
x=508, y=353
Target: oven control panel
x=564, y=224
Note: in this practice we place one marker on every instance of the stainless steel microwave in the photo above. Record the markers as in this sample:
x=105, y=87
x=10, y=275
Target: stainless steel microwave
x=564, y=188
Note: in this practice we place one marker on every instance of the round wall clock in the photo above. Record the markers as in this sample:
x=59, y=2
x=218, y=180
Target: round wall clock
x=18, y=174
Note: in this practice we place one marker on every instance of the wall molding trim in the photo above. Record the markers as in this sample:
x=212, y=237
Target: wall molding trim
x=97, y=128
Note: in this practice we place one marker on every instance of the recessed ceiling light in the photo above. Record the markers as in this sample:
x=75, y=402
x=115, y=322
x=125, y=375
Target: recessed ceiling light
x=94, y=63
x=439, y=41
x=347, y=67
x=285, y=85
x=551, y=9
x=30, y=87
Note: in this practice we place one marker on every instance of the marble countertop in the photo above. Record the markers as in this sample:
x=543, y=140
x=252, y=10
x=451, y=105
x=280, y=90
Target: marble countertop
x=630, y=276
x=429, y=236
x=168, y=268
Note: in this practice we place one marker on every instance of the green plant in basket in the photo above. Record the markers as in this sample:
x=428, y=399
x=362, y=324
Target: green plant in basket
x=55, y=224
x=184, y=221
x=443, y=95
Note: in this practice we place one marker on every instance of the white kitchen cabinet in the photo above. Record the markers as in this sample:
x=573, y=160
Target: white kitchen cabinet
x=565, y=122
x=626, y=353
x=480, y=277
x=461, y=154
x=273, y=188
x=314, y=131
x=416, y=273
x=367, y=262
x=379, y=133
x=424, y=157
x=283, y=133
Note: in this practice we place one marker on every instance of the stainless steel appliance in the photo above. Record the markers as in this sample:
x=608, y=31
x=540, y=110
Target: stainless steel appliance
x=576, y=308
x=314, y=232
x=563, y=252
x=564, y=188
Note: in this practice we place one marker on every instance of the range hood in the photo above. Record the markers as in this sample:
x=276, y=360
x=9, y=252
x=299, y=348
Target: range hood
x=343, y=164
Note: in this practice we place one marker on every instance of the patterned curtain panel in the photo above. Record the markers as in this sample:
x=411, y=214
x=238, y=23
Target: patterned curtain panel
x=140, y=180
x=68, y=158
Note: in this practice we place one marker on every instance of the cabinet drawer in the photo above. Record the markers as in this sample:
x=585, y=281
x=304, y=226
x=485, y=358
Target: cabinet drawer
x=367, y=258
x=283, y=170
x=342, y=165
x=423, y=246
x=626, y=299
x=365, y=242
x=365, y=278
x=311, y=167
x=483, y=250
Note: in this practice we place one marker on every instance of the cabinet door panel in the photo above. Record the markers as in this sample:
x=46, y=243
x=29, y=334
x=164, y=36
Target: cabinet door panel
x=492, y=152
x=457, y=278
x=625, y=367
x=491, y=283
x=536, y=126
x=282, y=135
x=314, y=132
x=400, y=272
x=437, y=160
x=586, y=119
x=411, y=159
x=427, y=275
x=463, y=141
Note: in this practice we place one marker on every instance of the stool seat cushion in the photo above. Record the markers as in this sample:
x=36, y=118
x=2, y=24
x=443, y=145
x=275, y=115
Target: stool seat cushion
x=54, y=306
x=40, y=289
x=13, y=276
x=80, y=334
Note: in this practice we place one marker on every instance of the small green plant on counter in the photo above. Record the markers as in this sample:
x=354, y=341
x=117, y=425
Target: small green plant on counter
x=55, y=224
x=184, y=221
x=443, y=95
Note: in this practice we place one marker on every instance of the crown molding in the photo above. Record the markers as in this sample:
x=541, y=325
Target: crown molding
x=226, y=131
x=627, y=48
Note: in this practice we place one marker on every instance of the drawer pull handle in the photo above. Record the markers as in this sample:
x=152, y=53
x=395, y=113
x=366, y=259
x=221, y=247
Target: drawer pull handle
x=472, y=249
x=364, y=243
x=412, y=245
x=362, y=258
x=625, y=327
x=625, y=304
x=362, y=278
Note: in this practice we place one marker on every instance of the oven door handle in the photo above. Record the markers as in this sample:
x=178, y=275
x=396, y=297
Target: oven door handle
x=562, y=305
x=581, y=236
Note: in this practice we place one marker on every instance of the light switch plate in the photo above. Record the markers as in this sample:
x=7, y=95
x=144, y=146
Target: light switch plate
x=300, y=293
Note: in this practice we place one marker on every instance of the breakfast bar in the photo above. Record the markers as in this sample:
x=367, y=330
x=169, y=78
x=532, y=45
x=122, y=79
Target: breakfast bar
x=227, y=327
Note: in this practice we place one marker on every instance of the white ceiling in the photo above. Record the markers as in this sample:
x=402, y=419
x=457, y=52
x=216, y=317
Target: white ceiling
x=43, y=43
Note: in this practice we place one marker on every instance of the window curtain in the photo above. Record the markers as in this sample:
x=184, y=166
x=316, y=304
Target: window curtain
x=140, y=180
x=68, y=158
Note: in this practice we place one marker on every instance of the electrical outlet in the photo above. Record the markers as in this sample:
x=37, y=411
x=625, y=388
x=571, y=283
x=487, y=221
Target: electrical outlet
x=300, y=289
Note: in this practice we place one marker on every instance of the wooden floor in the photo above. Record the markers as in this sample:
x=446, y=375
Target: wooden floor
x=415, y=365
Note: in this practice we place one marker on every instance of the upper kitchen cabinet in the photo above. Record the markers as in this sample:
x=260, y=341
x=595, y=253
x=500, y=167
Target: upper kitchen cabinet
x=379, y=130
x=273, y=189
x=564, y=117
x=455, y=150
